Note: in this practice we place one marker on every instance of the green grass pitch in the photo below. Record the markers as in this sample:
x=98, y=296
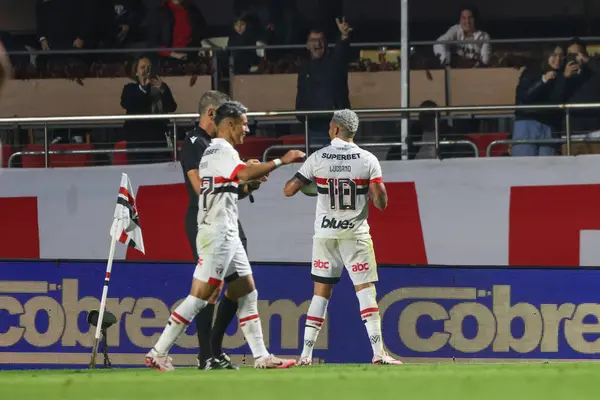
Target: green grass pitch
x=564, y=381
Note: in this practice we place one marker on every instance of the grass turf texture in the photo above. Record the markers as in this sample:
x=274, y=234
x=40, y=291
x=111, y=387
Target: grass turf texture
x=562, y=381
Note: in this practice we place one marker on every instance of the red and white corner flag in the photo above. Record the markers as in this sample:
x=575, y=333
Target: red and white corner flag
x=126, y=223
x=125, y=229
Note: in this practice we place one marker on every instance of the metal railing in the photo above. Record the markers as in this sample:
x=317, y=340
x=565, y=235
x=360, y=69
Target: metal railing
x=405, y=111
x=488, y=151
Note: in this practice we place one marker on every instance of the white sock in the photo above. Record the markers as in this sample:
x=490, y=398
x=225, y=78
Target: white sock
x=178, y=323
x=369, y=313
x=315, y=317
x=250, y=324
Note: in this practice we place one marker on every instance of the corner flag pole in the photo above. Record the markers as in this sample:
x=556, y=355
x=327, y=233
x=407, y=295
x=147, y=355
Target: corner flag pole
x=117, y=225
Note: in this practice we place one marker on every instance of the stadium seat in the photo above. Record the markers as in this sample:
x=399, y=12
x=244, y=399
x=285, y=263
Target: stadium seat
x=255, y=146
x=120, y=158
x=7, y=150
x=293, y=139
x=59, y=160
x=483, y=140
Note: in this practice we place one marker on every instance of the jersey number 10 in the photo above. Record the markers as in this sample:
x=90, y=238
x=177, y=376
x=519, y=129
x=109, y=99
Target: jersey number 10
x=344, y=191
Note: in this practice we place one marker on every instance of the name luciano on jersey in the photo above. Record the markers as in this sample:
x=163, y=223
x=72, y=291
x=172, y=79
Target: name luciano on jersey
x=340, y=168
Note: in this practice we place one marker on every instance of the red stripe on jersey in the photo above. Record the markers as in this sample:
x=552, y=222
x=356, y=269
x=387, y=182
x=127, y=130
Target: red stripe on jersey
x=180, y=318
x=325, y=181
x=249, y=318
x=222, y=179
x=236, y=170
x=309, y=318
x=214, y=282
x=369, y=310
x=377, y=180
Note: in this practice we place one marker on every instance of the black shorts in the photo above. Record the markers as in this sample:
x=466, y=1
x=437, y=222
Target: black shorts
x=191, y=230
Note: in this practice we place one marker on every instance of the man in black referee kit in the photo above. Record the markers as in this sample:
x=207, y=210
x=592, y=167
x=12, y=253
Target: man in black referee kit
x=197, y=140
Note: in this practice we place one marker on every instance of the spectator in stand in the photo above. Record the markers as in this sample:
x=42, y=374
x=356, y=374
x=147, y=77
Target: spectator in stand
x=540, y=84
x=64, y=24
x=583, y=86
x=179, y=24
x=323, y=80
x=475, y=54
x=147, y=95
x=243, y=60
x=118, y=22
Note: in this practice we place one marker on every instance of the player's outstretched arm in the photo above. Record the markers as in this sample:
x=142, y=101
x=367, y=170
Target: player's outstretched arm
x=292, y=187
x=378, y=195
x=257, y=171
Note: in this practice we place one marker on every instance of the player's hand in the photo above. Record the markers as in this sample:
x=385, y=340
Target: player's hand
x=292, y=156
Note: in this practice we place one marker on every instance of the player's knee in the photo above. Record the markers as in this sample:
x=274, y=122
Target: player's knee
x=248, y=304
x=323, y=290
x=362, y=286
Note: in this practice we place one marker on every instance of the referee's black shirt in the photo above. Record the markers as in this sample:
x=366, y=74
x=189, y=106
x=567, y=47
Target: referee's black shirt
x=196, y=141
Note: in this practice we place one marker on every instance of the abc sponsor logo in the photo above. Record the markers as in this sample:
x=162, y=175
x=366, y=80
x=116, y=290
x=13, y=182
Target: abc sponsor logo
x=318, y=264
x=360, y=267
x=435, y=317
x=333, y=223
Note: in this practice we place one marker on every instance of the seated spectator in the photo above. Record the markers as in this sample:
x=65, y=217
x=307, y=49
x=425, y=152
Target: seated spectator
x=323, y=81
x=179, y=24
x=424, y=131
x=118, y=22
x=540, y=84
x=583, y=86
x=475, y=54
x=64, y=24
x=243, y=60
x=147, y=95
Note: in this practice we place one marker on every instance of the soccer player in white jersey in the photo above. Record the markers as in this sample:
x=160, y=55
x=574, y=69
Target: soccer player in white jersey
x=345, y=176
x=220, y=250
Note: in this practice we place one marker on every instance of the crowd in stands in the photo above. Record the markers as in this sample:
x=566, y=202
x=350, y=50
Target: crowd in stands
x=564, y=74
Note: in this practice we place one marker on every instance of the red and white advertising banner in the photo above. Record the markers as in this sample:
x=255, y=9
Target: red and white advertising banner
x=502, y=211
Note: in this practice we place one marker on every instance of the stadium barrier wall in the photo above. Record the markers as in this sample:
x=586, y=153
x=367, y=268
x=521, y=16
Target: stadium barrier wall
x=445, y=313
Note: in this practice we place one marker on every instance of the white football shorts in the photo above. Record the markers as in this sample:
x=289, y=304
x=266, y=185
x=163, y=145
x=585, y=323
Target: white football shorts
x=220, y=259
x=331, y=255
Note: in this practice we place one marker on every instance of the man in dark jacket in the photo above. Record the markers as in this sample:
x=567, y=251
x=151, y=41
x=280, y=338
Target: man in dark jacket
x=583, y=87
x=210, y=340
x=64, y=24
x=179, y=24
x=118, y=22
x=323, y=80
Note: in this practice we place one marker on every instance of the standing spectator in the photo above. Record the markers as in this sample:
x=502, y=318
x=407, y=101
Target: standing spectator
x=540, y=84
x=323, y=80
x=243, y=60
x=476, y=53
x=583, y=86
x=64, y=24
x=118, y=22
x=179, y=24
x=148, y=95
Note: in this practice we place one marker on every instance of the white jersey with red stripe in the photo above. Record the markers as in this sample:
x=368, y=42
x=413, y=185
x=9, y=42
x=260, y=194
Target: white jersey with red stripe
x=217, y=203
x=342, y=172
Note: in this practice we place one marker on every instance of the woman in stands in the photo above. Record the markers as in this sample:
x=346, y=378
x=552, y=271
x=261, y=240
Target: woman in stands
x=540, y=84
x=147, y=95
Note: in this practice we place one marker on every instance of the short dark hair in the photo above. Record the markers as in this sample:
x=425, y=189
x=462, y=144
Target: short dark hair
x=578, y=42
x=230, y=109
x=315, y=29
x=242, y=16
x=472, y=8
x=211, y=98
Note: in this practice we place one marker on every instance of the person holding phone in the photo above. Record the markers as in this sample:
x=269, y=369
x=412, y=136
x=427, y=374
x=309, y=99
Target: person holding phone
x=147, y=95
x=542, y=83
x=583, y=86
